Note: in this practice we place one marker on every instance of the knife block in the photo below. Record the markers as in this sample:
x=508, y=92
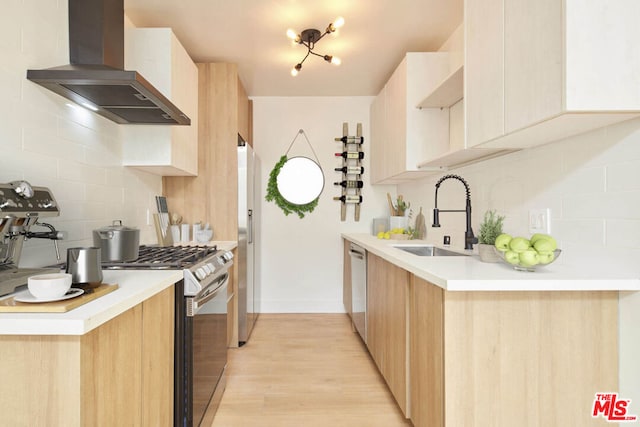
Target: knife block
x=164, y=236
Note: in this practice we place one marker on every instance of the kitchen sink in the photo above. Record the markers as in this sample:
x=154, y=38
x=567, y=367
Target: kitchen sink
x=427, y=250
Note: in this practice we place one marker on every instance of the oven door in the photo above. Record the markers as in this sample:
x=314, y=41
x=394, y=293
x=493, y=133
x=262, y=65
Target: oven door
x=205, y=332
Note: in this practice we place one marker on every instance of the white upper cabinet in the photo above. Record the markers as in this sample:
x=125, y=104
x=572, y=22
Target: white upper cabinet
x=160, y=149
x=451, y=94
x=539, y=71
x=403, y=135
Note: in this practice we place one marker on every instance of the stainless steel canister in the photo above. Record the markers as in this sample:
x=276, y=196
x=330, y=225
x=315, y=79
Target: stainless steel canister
x=84, y=265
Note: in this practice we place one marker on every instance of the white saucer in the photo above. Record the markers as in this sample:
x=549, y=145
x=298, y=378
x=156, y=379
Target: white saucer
x=25, y=296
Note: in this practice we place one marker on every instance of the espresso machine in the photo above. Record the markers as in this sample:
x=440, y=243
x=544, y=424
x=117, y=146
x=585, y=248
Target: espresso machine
x=21, y=208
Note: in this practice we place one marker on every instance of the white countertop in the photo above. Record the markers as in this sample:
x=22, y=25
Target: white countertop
x=135, y=286
x=468, y=273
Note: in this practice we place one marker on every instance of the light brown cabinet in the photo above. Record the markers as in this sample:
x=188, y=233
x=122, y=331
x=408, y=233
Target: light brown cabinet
x=387, y=288
x=510, y=358
x=499, y=358
x=212, y=196
x=244, y=115
x=120, y=373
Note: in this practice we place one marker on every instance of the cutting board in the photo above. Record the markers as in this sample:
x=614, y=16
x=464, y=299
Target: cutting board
x=9, y=305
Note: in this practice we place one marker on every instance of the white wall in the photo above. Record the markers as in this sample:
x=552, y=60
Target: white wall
x=301, y=259
x=74, y=152
x=591, y=183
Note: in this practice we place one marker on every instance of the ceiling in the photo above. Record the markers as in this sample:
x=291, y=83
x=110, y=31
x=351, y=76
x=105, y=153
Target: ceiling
x=252, y=34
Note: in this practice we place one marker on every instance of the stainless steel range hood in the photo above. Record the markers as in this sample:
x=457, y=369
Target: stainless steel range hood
x=96, y=77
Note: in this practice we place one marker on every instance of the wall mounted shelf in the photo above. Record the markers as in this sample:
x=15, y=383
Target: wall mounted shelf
x=449, y=91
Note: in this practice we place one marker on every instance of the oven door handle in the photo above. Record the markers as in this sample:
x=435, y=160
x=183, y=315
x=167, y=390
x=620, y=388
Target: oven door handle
x=194, y=304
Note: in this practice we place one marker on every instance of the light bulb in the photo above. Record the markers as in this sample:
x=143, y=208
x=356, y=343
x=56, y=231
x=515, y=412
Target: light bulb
x=89, y=106
x=336, y=61
x=291, y=34
x=338, y=22
x=294, y=72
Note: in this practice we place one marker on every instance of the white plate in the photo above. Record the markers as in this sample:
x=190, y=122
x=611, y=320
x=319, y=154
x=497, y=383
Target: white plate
x=26, y=296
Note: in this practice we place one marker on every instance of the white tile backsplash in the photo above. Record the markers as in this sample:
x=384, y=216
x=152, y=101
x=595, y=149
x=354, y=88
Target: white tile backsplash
x=623, y=176
x=10, y=26
x=75, y=152
x=590, y=182
x=623, y=233
x=582, y=181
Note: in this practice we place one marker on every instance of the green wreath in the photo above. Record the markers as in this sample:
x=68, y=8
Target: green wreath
x=273, y=195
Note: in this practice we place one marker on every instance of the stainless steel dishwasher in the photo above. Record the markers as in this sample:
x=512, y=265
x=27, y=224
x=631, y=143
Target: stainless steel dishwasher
x=359, y=289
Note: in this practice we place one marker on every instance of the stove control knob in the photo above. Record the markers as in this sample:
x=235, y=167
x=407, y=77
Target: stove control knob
x=47, y=204
x=8, y=202
x=210, y=267
x=200, y=273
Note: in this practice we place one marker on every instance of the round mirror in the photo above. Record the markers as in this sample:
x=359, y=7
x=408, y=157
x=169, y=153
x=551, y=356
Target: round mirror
x=300, y=180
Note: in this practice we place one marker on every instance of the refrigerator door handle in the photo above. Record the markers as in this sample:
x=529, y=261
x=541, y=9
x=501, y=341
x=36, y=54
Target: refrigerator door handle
x=250, y=226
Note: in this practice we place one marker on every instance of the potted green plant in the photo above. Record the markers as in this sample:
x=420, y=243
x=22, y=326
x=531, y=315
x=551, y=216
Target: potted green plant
x=490, y=228
x=399, y=212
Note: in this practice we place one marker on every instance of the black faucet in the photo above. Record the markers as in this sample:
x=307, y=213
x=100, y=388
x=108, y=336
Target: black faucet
x=469, y=238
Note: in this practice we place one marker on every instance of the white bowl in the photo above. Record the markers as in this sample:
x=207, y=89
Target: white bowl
x=49, y=286
x=204, y=236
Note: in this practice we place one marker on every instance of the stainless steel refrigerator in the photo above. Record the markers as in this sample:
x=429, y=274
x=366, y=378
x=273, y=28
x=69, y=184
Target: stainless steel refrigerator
x=247, y=313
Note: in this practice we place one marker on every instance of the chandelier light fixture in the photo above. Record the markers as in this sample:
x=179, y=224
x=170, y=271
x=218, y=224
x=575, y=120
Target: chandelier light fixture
x=309, y=38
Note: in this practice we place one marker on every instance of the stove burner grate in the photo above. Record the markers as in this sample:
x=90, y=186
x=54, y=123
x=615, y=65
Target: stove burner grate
x=165, y=257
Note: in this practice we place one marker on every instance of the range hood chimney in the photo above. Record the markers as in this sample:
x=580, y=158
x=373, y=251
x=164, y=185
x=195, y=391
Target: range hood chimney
x=96, y=78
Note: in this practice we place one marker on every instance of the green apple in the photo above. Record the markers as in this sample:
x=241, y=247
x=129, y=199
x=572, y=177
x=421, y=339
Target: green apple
x=537, y=236
x=529, y=258
x=545, y=244
x=545, y=257
x=502, y=242
x=519, y=244
x=512, y=257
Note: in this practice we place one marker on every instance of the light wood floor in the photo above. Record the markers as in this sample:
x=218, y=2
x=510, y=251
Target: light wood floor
x=305, y=370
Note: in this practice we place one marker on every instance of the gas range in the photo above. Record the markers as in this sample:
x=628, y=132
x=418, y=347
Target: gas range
x=201, y=265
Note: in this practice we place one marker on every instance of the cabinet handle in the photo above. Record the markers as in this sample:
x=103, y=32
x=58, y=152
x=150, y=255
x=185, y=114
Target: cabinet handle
x=356, y=254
